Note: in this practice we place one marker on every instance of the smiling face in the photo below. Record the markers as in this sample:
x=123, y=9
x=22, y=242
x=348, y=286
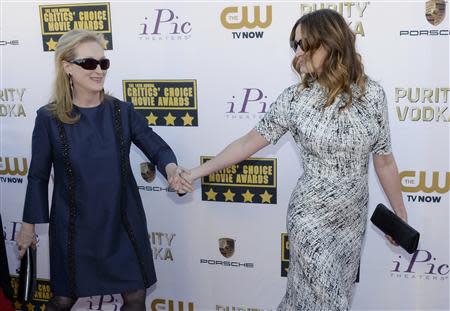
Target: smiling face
x=87, y=81
x=305, y=62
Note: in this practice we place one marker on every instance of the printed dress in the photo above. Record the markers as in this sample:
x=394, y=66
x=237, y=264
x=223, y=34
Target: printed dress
x=327, y=212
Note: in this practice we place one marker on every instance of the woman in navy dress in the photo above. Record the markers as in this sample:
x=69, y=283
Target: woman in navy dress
x=98, y=232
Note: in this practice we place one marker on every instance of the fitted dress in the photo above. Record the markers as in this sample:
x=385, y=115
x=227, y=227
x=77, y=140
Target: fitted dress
x=327, y=211
x=98, y=236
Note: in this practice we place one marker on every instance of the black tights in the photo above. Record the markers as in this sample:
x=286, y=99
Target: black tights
x=132, y=301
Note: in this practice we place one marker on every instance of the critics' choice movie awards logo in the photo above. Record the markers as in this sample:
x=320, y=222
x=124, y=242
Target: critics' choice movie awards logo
x=432, y=184
x=422, y=265
x=246, y=22
x=227, y=247
x=251, y=181
x=285, y=255
x=434, y=13
x=422, y=104
x=11, y=102
x=353, y=12
x=41, y=295
x=161, y=243
x=159, y=304
x=164, y=102
x=58, y=19
x=165, y=24
x=12, y=169
x=250, y=103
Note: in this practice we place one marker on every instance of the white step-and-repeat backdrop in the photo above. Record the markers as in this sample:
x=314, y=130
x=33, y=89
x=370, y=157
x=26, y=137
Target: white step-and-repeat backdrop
x=203, y=73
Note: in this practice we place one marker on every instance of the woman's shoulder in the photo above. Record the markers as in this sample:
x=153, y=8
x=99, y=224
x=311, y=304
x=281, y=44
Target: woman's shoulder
x=374, y=91
x=115, y=101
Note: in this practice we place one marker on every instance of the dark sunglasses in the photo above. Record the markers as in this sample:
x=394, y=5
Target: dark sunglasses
x=295, y=44
x=91, y=63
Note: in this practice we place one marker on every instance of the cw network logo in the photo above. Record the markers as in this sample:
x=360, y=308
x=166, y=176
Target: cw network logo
x=11, y=167
x=235, y=18
x=426, y=182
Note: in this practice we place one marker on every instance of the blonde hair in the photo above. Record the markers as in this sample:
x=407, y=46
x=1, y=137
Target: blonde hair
x=61, y=103
x=342, y=66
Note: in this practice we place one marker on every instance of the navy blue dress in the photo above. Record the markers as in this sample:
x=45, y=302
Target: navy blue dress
x=107, y=250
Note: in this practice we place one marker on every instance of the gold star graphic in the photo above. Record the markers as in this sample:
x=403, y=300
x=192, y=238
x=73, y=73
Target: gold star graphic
x=229, y=196
x=30, y=307
x=42, y=308
x=265, y=197
x=248, y=196
x=17, y=305
x=187, y=119
x=151, y=118
x=170, y=119
x=51, y=44
x=211, y=195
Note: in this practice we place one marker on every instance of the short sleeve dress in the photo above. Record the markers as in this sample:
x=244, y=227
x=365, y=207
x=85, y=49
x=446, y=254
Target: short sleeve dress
x=98, y=231
x=327, y=211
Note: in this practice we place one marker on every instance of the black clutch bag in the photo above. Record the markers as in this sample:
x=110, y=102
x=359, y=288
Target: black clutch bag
x=27, y=275
x=392, y=225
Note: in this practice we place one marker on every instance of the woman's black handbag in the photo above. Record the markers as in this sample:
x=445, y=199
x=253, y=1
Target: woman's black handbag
x=27, y=275
x=392, y=225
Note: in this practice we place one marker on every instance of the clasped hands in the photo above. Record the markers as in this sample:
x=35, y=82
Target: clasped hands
x=179, y=179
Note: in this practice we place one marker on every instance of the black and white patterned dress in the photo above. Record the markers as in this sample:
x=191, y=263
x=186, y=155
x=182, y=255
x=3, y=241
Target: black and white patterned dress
x=327, y=213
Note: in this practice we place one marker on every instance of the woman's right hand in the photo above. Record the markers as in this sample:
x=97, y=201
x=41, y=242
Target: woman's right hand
x=26, y=238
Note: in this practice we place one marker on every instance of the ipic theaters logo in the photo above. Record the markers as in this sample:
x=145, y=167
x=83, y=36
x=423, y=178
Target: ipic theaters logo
x=255, y=18
x=437, y=183
x=164, y=102
x=227, y=248
x=13, y=169
x=434, y=13
x=159, y=304
x=423, y=265
x=353, y=12
x=422, y=104
x=252, y=181
x=165, y=24
x=11, y=102
x=251, y=103
x=58, y=19
x=162, y=245
x=285, y=254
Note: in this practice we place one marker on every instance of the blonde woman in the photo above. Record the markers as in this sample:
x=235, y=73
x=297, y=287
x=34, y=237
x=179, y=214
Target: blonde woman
x=98, y=232
x=338, y=117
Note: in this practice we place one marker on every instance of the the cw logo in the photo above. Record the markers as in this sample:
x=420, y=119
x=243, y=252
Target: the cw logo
x=7, y=169
x=168, y=305
x=410, y=185
x=231, y=20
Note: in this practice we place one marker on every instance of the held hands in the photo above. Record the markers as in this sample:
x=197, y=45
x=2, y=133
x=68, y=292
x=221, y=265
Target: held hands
x=176, y=182
x=26, y=238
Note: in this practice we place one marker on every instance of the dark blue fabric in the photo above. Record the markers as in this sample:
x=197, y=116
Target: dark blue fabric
x=105, y=260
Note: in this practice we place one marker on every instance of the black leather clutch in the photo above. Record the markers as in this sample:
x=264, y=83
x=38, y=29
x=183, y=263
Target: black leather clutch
x=27, y=275
x=392, y=225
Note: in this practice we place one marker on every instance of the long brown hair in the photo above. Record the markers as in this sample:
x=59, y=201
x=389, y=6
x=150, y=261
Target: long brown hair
x=61, y=103
x=343, y=66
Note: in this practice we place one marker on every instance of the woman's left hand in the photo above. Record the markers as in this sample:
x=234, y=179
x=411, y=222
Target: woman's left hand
x=404, y=217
